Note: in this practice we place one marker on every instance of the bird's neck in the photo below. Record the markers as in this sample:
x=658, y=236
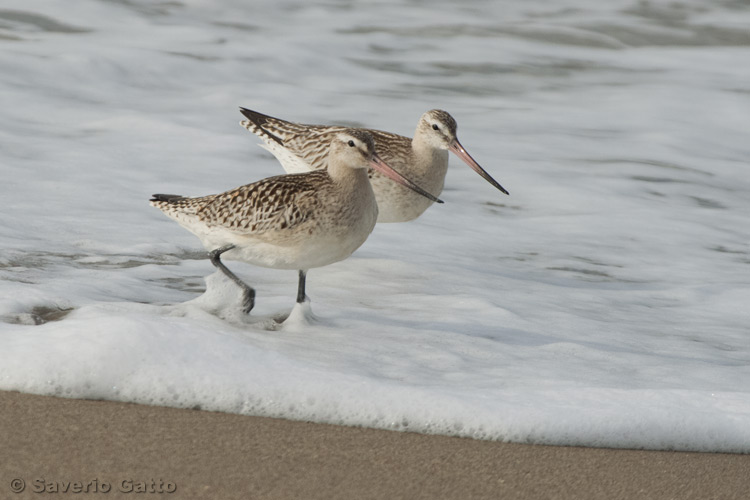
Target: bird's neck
x=347, y=176
x=423, y=148
x=427, y=160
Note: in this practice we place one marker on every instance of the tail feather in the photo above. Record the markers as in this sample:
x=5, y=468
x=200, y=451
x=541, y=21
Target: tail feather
x=257, y=118
x=255, y=124
x=167, y=198
x=180, y=208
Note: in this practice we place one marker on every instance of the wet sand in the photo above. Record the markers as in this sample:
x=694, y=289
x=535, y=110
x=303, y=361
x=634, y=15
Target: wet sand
x=52, y=443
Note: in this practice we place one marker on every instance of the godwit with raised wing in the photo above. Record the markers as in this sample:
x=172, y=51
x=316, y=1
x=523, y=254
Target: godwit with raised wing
x=296, y=221
x=423, y=159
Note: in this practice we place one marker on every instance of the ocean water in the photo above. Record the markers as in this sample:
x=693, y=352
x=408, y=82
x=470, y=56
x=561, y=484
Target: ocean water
x=605, y=302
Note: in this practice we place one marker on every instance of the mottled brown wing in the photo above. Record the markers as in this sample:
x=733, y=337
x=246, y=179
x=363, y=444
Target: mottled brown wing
x=312, y=144
x=308, y=142
x=393, y=149
x=276, y=203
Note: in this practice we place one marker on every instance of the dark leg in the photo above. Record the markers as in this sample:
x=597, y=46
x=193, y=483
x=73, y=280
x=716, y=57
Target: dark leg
x=301, y=287
x=248, y=294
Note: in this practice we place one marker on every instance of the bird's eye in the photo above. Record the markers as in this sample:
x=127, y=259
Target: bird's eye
x=351, y=144
x=435, y=127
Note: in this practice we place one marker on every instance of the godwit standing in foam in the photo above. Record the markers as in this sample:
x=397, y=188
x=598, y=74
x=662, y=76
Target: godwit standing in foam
x=297, y=221
x=423, y=159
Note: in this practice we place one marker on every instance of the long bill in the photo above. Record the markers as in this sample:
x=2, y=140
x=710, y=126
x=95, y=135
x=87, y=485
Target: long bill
x=388, y=171
x=459, y=150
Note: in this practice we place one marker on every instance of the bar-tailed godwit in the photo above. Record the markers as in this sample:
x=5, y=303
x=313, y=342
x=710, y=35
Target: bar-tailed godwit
x=295, y=221
x=423, y=159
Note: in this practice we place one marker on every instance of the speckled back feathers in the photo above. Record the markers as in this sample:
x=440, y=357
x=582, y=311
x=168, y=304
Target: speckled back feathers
x=274, y=203
x=311, y=142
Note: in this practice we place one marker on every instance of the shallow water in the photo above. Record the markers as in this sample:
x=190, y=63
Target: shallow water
x=604, y=302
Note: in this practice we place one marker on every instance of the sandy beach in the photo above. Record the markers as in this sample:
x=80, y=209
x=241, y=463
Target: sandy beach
x=58, y=448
